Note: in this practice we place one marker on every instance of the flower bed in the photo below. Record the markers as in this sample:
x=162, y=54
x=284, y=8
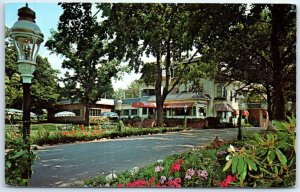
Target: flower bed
x=260, y=160
x=43, y=137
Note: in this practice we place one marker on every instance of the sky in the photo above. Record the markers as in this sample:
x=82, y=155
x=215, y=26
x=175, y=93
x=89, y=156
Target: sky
x=47, y=18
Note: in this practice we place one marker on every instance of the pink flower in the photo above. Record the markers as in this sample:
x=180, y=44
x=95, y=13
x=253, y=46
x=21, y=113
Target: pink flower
x=158, y=169
x=162, y=179
x=175, y=167
x=202, y=174
x=189, y=173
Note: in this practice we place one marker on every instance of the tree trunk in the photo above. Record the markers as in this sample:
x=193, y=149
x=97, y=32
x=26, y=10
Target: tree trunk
x=278, y=97
x=158, y=93
x=87, y=115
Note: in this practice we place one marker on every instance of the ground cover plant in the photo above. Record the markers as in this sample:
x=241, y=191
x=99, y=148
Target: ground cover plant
x=261, y=160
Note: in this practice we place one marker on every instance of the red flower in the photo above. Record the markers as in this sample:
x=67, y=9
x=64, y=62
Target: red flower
x=174, y=183
x=151, y=181
x=120, y=185
x=229, y=179
x=175, y=167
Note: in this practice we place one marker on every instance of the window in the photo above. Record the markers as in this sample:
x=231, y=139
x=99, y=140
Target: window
x=220, y=115
x=133, y=111
x=76, y=111
x=202, y=111
x=148, y=92
x=180, y=111
x=94, y=112
x=231, y=95
x=194, y=111
x=224, y=93
x=219, y=91
x=144, y=111
x=125, y=112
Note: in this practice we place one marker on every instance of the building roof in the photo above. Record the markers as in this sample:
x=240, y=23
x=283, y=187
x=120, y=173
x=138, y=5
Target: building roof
x=104, y=101
x=129, y=101
x=184, y=96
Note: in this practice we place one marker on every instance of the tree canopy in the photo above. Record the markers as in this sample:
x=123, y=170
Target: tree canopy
x=259, y=49
x=164, y=31
x=81, y=41
x=44, y=83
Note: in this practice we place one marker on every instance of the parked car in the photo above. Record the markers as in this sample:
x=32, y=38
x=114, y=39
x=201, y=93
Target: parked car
x=110, y=115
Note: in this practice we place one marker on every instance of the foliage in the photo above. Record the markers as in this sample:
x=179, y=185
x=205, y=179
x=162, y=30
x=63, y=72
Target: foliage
x=43, y=88
x=80, y=39
x=163, y=31
x=43, y=136
x=195, y=168
x=255, y=44
x=266, y=160
x=17, y=160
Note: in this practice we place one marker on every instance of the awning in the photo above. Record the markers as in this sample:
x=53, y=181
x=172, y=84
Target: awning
x=178, y=105
x=235, y=112
x=244, y=112
x=140, y=104
x=224, y=107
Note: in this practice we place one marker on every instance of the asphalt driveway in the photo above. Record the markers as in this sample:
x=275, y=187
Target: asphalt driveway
x=65, y=165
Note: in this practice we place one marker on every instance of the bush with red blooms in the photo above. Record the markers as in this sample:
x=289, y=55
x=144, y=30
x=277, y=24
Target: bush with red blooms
x=176, y=165
x=229, y=179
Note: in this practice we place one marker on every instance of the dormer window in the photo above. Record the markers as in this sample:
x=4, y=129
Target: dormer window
x=221, y=92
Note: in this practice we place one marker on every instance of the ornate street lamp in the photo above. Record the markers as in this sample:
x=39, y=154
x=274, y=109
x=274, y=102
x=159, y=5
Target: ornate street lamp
x=119, y=107
x=239, y=99
x=27, y=38
x=185, y=111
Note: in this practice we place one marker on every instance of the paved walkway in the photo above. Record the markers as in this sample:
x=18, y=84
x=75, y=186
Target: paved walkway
x=65, y=165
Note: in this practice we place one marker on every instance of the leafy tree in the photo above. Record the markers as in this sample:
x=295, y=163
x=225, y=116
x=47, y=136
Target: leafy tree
x=43, y=89
x=44, y=86
x=257, y=46
x=164, y=31
x=81, y=40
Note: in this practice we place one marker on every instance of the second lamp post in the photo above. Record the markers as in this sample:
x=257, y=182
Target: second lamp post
x=239, y=99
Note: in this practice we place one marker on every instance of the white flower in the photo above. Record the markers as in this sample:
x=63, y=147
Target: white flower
x=160, y=161
x=228, y=157
x=231, y=149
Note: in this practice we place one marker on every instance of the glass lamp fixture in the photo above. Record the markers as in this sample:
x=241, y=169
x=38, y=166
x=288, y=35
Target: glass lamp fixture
x=27, y=38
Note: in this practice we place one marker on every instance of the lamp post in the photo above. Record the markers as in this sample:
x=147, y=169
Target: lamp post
x=239, y=98
x=27, y=38
x=118, y=109
x=185, y=110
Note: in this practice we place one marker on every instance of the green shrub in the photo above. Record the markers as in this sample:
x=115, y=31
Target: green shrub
x=175, y=167
x=18, y=161
x=267, y=160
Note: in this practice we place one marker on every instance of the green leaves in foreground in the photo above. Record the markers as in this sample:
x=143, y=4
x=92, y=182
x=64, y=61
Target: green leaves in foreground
x=267, y=159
